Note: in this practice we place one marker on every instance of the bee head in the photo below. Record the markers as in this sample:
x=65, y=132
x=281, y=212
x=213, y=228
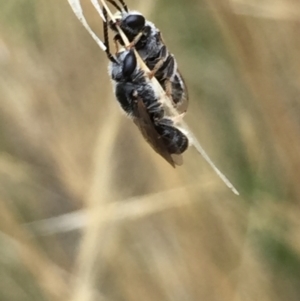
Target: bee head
x=129, y=64
x=131, y=23
x=134, y=22
x=126, y=66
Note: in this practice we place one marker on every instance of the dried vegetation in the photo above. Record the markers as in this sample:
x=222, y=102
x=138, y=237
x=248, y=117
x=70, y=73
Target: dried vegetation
x=89, y=212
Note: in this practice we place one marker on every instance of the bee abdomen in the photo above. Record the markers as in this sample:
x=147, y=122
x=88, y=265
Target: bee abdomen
x=175, y=140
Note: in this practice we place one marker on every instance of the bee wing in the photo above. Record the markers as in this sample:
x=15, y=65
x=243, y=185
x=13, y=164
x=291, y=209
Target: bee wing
x=184, y=103
x=146, y=127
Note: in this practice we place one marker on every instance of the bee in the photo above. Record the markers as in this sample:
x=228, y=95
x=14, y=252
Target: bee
x=147, y=40
x=136, y=92
x=138, y=99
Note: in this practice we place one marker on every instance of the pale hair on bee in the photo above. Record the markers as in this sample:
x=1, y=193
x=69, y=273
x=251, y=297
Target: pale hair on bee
x=147, y=40
x=140, y=101
x=146, y=95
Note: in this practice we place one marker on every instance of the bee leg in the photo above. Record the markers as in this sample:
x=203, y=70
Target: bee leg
x=118, y=41
x=134, y=41
x=116, y=45
x=168, y=87
x=135, y=94
x=177, y=119
x=145, y=32
x=163, y=56
x=171, y=70
x=155, y=69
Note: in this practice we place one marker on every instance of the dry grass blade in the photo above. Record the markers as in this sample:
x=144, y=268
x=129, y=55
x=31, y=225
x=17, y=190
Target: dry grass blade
x=258, y=70
x=113, y=222
x=99, y=193
x=163, y=97
x=277, y=10
x=76, y=7
x=128, y=209
x=133, y=208
x=52, y=279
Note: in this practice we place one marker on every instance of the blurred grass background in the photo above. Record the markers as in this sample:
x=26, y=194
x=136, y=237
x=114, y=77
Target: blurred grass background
x=89, y=212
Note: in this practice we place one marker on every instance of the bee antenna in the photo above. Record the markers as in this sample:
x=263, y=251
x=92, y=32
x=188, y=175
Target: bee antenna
x=106, y=38
x=115, y=4
x=124, y=5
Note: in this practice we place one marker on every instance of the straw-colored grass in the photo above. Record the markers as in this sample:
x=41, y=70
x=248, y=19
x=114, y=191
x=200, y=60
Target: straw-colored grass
x=88, y=211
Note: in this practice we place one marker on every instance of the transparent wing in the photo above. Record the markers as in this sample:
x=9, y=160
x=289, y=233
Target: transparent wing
x=183, y=105
x=146, y=127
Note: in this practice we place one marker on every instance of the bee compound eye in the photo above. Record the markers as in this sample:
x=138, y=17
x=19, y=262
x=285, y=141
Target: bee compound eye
x=129, y=64
x=135, y=21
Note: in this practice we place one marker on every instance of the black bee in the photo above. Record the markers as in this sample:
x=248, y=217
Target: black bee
x=147, y=40
x=135, y=91
x=138, y=99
